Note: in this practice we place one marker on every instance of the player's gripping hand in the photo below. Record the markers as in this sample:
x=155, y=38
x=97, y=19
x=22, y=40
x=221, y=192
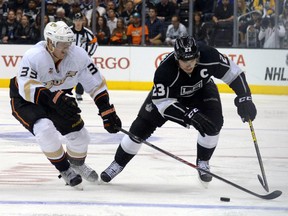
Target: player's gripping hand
x=200, y=122
x=245, y=107
x=64, y=105
x=110, y=119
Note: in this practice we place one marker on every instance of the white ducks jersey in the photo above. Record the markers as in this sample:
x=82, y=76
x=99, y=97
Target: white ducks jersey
x=37, y=69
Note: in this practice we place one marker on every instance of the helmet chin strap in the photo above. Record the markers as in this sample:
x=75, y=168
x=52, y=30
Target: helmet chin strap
x=51, y=51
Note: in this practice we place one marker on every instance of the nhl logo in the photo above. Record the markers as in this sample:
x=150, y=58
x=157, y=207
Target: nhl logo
x=149, y=107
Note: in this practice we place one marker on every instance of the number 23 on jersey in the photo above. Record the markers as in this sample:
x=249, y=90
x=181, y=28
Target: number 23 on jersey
x=159, y=90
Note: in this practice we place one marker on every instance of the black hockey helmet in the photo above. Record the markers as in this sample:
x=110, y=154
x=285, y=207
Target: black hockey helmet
x=185, y=48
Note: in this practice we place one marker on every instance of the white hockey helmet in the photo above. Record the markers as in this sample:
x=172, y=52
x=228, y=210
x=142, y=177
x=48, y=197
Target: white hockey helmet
x=58, y=32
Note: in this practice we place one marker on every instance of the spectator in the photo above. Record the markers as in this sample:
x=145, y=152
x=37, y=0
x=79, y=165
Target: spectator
x=17, y=4
x=249, y=4
x=154, y=2
x=8, y=28
x=112, y=20
x=38, y=4
x=115, y=2
x=85, y=6
x=121, y=6
x=134, y=31
x=284, y=20
x=35, y=33
x=127, y=13
x=50, y=10
x=31, y=11
x=101, y=11
x=3, y=10
x=22, y=32
x=253, y=28
x=65, y=6
x=242, y=9
x=165, y=10
x=266, y=6
x=175, y=30
x=119, y=34
x=138, y=7
x=155, y=27
x=102, y=31
x=1, y=26
x=223, y=14
x=219, y=2
x=205, y=7
x=223, y=20
x=271, y=33
x=111, y=5
x=61, y=16
x=90, y=20
x=19, y=14
x=199, y=29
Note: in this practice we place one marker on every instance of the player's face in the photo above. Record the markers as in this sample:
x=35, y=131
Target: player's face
x=61, y=49
x=187, y=66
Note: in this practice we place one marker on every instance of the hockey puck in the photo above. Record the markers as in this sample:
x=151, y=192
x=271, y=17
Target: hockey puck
x=225, y=199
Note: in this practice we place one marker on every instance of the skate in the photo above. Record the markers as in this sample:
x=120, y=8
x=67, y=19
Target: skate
x=204, y=177
x=113, y=170
x=70, y=177
x=86, y=172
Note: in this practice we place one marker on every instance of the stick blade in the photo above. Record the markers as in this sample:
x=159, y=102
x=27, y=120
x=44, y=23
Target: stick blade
x=272, y=195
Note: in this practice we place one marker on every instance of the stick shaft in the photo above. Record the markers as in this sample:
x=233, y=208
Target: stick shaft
x=258, y=155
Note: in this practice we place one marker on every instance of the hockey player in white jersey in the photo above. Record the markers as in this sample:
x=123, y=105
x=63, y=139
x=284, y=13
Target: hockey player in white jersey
x=39, y=101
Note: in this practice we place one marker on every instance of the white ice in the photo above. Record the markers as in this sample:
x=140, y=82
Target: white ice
x=152, y=183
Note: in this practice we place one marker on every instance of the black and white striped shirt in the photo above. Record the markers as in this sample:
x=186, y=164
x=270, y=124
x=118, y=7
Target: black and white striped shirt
x=85, y=39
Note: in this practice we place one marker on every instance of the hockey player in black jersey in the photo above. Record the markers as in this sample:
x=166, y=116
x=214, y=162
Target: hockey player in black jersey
x=185, y=93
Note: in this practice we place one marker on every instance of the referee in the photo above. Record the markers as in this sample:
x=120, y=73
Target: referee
x=84, y=38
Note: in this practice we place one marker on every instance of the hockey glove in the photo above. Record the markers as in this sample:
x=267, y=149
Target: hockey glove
x=245, y=107
x=200, y=122
x=110, y=119
x=64, y=105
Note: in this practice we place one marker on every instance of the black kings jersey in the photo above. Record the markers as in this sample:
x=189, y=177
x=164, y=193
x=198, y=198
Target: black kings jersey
x=171, y=83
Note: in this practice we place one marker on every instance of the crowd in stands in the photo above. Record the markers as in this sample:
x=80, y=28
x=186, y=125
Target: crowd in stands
x=119, y=22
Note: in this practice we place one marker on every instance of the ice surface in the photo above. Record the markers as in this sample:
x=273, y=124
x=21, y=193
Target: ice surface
x=152, y=183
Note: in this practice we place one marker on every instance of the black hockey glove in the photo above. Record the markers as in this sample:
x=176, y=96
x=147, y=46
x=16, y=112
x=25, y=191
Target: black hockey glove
x=64, y=105
x=200, y=122
x=110, y=119
x=245, y=107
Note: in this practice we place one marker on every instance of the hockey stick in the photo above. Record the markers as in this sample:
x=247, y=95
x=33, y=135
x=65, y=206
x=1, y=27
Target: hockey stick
x=263, y=180
x=269, y=196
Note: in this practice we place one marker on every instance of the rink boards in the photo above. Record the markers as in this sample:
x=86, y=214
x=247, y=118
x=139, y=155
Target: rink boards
x=132, y=68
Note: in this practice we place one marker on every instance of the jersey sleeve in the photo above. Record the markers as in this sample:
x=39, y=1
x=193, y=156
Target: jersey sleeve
x=28, y=77
x=89, y=76
x=228, y=72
